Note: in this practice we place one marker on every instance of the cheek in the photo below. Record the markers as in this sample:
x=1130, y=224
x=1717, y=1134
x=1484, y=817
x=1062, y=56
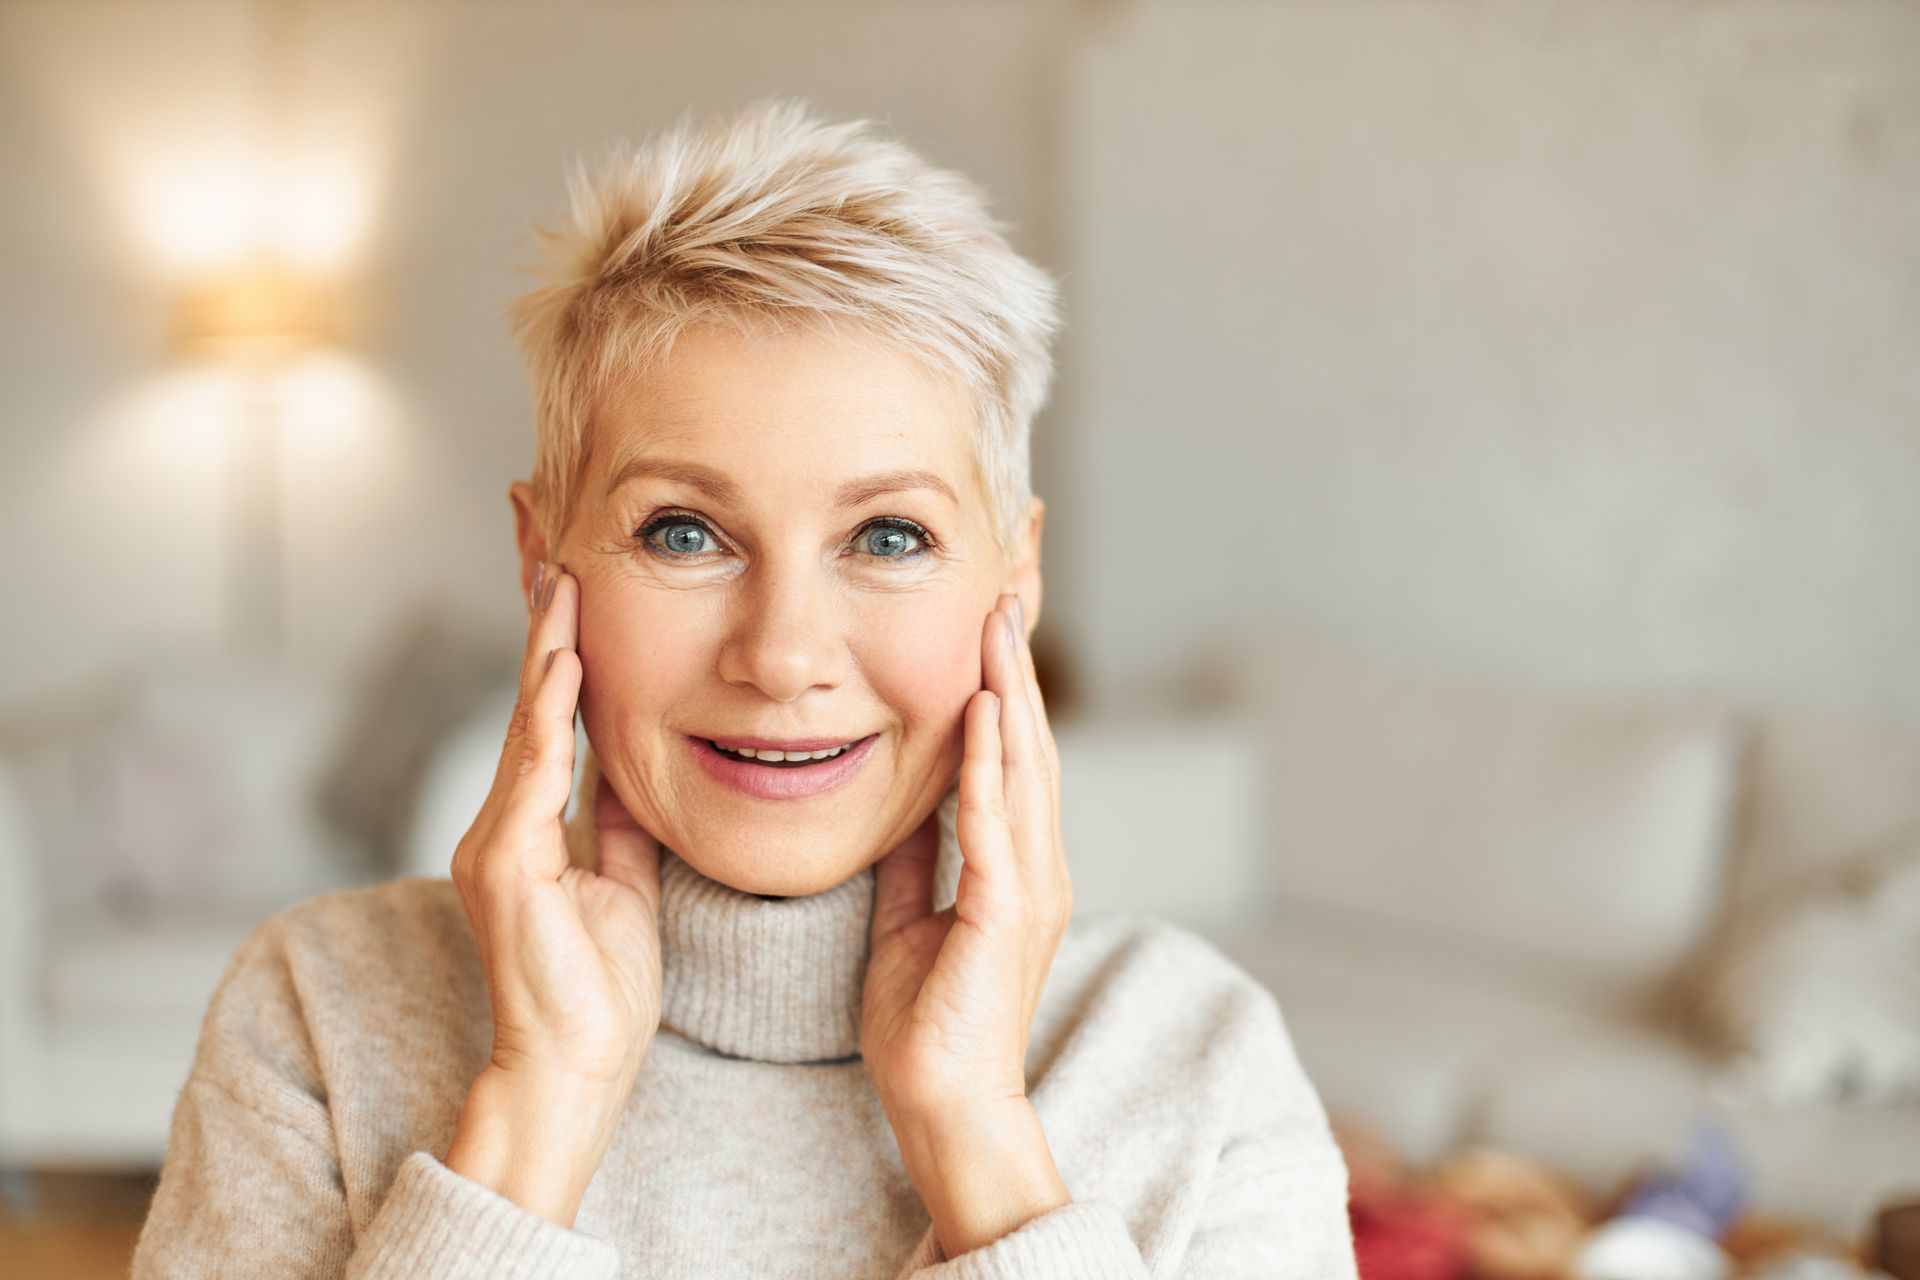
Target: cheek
x=924, y=660
x=640, y=651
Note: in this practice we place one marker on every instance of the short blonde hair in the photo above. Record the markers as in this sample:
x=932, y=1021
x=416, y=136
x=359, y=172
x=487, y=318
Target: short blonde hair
x=770, y=215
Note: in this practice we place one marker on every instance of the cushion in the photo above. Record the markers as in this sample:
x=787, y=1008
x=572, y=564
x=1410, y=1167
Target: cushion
x=1823, y=791
x=191, y=783
x=1587, y=837
x=1818, y=995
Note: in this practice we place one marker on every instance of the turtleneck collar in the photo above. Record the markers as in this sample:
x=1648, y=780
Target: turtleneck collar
x=774, y=979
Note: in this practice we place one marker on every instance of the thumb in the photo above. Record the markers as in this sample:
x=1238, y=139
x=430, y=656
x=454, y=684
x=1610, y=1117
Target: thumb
x=603, y=837
x=624, y=850
x=581, y=851
x=903, y=880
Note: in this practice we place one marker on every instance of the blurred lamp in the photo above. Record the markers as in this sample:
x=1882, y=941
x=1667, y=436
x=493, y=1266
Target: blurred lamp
x=256, y=319
x=262, y=311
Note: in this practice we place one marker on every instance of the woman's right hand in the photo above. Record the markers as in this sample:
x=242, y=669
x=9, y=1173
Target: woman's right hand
x=570, y=953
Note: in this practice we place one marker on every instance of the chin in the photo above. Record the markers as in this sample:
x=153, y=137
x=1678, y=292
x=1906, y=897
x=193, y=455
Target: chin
x=791, y=875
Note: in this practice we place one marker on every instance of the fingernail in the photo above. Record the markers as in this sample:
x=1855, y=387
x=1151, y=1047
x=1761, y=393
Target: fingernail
x=1013, y=637
x=553, y=580
x=1019, y=616
x=539, y=581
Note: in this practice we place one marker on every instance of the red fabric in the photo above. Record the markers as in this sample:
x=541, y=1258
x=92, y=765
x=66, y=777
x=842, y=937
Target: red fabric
x=1409, y=1235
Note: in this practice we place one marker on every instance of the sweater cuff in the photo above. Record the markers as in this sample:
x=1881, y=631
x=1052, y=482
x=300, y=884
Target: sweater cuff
x=437, y=1225
x=1081, y=1240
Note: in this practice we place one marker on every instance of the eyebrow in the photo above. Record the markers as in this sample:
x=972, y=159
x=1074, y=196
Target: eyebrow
x=721, y=489
x=691, y=474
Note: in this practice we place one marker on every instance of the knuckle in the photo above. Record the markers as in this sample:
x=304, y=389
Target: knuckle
x=983, y=807
x=467, y=851
x=493, y=881
x=526, y=758
x=537, y=750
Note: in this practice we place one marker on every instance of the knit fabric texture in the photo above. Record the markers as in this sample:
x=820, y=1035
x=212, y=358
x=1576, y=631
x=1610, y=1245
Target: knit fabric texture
x=338, y=1048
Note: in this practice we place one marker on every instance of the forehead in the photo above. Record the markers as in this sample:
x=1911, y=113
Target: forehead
x=809, y=407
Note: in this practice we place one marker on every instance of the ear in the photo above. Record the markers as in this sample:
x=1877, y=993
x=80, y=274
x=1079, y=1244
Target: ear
x=1023, y=576
x=527, y=535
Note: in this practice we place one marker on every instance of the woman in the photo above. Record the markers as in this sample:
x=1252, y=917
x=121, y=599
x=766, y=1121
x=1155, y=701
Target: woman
x=764, y=1004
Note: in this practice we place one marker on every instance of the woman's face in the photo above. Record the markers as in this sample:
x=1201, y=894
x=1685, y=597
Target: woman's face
x=782, y=538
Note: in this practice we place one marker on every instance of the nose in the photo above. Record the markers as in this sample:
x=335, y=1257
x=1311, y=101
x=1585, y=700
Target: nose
x=786, y=632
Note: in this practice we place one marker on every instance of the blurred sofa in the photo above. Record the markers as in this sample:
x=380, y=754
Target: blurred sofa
x=146, y=825
x=1497, y=917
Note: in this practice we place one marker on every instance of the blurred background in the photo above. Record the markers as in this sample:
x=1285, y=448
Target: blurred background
x=1483, y=556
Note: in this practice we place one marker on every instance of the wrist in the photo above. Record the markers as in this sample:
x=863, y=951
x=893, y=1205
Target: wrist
x=536, y=1138
x=981, y=1172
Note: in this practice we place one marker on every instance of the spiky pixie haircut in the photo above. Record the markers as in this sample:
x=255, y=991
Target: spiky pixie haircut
x=772, y=218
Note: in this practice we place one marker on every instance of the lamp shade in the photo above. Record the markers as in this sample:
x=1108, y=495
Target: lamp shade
x=261, y=309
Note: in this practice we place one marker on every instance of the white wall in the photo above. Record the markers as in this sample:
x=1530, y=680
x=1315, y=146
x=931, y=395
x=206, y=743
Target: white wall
x=1576, y=343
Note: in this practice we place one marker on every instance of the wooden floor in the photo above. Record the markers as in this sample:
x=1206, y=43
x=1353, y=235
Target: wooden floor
x=77, y=1226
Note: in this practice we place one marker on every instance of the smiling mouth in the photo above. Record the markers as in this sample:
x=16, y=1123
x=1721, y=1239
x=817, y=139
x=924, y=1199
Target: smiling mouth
x=784, y=759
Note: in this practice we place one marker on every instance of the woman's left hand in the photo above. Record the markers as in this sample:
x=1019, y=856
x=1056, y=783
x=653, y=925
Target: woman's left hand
x=950, y=995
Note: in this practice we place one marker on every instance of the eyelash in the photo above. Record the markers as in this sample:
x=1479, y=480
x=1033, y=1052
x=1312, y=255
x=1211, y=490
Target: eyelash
x=667, y=519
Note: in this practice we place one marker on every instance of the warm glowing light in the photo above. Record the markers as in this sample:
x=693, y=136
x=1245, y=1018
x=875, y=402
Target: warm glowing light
x=219, y=134
x=201, y=213
x=320, y=211
x=214, y=211
x=334, y=404
x=262, y=310
x=179, y=429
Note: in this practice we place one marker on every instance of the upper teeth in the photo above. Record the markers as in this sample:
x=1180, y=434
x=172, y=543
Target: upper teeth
x=752, y=754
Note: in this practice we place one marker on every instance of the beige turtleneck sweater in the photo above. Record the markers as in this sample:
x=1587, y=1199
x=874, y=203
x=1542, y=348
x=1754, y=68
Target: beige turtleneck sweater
x=339, y=1046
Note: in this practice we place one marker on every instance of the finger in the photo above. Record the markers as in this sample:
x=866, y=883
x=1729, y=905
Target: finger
x=627, y=852
x=535, y=776
x=533, y=662
x=529, y=827
x=555, y=626
x=1006, y=678
x=986, y=842
x=528, y=739
x=903, y=880
x=582, y=829
x=1035, y=797
x=1028, y=772
x=1025, y=648
x=1047, y=742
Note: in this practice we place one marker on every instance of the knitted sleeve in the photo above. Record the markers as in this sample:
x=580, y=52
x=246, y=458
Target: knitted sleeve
x=251, y=1183
x=1275, y=1207
x=1081, y=1240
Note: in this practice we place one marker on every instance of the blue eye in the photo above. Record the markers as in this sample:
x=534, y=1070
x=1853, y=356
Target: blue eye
x=684, y=537
x=889, y=540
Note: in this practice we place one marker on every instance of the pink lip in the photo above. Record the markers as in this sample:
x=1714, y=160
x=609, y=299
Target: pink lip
x=768, y=783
